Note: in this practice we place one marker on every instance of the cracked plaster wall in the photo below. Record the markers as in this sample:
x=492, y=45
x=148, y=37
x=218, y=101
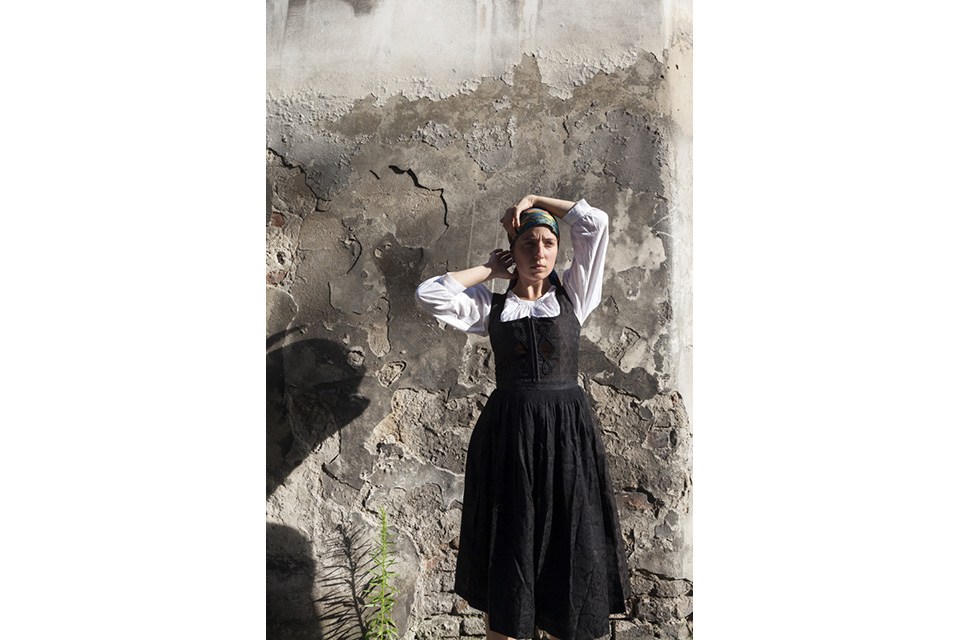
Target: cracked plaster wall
x=384, y=168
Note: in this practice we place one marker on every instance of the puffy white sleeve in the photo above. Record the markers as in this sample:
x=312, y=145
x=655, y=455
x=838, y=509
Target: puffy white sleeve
x=464, y=308
x=589, y=235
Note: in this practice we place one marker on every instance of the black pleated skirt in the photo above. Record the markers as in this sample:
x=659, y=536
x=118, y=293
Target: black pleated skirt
x=540, y=541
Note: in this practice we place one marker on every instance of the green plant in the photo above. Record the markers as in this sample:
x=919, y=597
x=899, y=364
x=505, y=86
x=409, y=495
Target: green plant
x=379, y=595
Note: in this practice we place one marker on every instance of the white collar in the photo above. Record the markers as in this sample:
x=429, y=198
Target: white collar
x=550, y=293
x=546, y=306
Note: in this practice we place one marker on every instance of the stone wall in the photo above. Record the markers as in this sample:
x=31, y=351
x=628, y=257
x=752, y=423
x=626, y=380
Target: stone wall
x=390, y=157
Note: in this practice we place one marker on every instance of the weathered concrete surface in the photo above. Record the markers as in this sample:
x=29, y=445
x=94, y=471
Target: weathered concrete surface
x=379, y=179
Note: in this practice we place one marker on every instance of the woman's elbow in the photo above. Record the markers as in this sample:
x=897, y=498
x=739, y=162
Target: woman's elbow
x=418, y=295
x=601, y=219
x=426, y=295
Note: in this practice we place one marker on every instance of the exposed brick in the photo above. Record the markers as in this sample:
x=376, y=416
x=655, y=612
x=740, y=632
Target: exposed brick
x=473, y=626
x=672, y=588
x=634, y=502
x=684, y=607
x=439, y=627
x=463, y=607
x=634, y=630
x=657, y=439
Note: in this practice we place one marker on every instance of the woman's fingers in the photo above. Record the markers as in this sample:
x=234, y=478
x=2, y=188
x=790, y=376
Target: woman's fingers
x=508, y=220
x=511, y=219
x=501, y=261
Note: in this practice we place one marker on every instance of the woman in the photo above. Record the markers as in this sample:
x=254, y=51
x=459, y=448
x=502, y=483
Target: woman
x=540, y=537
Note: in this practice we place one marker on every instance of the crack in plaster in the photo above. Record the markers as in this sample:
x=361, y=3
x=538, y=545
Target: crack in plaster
x=327, y=471
x=284, y=162
x=416, y=182
x=351, y=240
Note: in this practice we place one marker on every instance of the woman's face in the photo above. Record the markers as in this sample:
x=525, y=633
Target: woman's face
x=535, y=254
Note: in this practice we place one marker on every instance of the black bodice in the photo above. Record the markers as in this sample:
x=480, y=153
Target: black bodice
x=535, y=351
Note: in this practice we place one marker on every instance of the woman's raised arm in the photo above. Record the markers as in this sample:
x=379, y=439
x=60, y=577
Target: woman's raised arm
x=458, y=298
x=498, y=266
x=554, y=206
x=589, y=235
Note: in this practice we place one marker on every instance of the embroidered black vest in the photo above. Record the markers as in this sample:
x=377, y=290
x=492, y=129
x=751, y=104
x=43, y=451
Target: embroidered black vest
x=535, y=351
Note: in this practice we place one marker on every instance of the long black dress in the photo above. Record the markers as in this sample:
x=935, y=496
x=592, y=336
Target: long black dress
x=540, y=537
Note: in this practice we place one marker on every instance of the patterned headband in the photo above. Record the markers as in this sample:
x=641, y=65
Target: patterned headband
x=534, y=217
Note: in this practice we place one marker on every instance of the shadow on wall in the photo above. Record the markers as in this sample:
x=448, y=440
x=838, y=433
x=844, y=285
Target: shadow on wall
x=311, y=394
x=290, y=576
x=343, y=579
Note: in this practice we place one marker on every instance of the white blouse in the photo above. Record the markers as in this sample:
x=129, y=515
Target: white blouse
x=468, y=308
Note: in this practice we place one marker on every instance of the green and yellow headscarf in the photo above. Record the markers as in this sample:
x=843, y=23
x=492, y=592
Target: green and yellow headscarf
x=534, y=217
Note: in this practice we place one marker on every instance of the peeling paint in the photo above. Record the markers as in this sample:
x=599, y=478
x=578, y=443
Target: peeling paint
x=422, y=56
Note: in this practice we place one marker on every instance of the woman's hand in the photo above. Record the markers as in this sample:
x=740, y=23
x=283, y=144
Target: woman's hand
x=555, y=206
x=499, y=264
x=511, y=219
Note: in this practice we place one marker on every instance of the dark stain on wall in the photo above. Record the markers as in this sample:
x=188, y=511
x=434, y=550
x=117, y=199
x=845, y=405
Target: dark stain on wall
x=362, y=7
